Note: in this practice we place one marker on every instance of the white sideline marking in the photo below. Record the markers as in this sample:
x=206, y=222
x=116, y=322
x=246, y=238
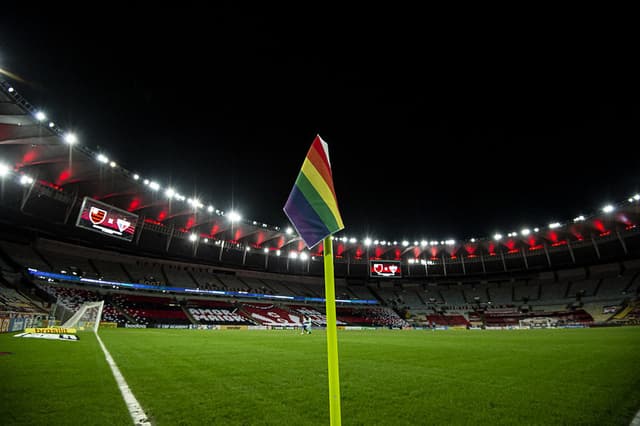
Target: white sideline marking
x=135, y=410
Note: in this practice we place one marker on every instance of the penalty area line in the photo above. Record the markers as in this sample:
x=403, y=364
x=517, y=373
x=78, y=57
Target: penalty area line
x=138, y=415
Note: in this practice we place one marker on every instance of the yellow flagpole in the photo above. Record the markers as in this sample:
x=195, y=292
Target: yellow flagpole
x=332, y=333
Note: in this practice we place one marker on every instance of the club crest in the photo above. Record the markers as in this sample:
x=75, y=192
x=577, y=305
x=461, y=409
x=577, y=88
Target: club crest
x=97, y=216
x=123, y=224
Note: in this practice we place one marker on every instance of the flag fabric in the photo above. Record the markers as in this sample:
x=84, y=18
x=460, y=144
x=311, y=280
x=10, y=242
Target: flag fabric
x=312, y=206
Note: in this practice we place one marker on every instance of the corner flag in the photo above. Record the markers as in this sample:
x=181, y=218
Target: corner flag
x=312, y=208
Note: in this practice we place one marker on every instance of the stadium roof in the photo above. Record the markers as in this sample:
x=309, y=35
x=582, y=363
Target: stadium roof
x=41, y=154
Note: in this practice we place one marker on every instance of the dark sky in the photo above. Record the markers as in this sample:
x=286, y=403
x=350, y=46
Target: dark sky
x=438, y=127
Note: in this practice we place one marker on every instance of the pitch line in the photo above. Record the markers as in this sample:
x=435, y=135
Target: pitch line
x=138, y=415
x=636, y=420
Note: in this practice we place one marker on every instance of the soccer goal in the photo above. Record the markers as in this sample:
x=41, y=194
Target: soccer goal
x=86, y=317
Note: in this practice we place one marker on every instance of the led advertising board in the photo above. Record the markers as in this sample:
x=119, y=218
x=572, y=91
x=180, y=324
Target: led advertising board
x=106, y=219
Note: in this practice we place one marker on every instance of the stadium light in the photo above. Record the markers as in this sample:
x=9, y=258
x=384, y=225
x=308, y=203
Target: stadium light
x=72, y=139
x=278, y=252
x=193, y=237
x=304, y=256
x=234, y=216
x=473, y=240
x=113, y=164
x=154, y=185
x=411, y=261
x=367, y=241
x=497, y=237
x=376, y=242
x=4, y=170
x=169, y=193
x=405, y=243
x=450, y=242
x=52, y=124
x=11, y=89
x=353, y=240
x=210, y=209
x=525, y=232
x=104, y=159
x=415, y=243
x=608, y=208
x=136, y=176
x=636, y=197
x=26, y=180
x=40, y=116
x=578, y=219
x=293, y=255
x=206, y=240
x=289, y=230
x=266, y=250
x=554, y=225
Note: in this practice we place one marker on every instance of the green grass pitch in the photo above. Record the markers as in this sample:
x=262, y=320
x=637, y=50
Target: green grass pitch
x=198, y=377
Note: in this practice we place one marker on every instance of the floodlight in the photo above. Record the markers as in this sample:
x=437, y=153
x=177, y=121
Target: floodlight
x=4, y=170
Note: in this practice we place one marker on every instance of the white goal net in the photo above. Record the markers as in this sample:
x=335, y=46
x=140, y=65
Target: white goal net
x=87, y=317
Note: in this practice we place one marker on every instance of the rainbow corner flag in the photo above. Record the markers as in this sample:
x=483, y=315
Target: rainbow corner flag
x=312, y=207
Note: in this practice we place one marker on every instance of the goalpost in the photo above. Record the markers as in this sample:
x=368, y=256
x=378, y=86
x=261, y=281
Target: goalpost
x=86, y=317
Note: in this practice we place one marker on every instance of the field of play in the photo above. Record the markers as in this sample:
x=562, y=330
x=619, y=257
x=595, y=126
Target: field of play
x=388, y=377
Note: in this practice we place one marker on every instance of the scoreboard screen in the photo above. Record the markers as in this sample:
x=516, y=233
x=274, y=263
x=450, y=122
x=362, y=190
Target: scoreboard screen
x=385, y=269
x=106, y=219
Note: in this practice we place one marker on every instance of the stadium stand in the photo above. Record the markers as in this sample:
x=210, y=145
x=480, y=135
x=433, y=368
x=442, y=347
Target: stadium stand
x=585, y=272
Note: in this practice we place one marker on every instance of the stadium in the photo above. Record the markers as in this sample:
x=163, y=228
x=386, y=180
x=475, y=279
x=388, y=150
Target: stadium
x=202, y=309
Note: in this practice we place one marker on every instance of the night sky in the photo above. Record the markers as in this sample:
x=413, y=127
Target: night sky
x=436, y=129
